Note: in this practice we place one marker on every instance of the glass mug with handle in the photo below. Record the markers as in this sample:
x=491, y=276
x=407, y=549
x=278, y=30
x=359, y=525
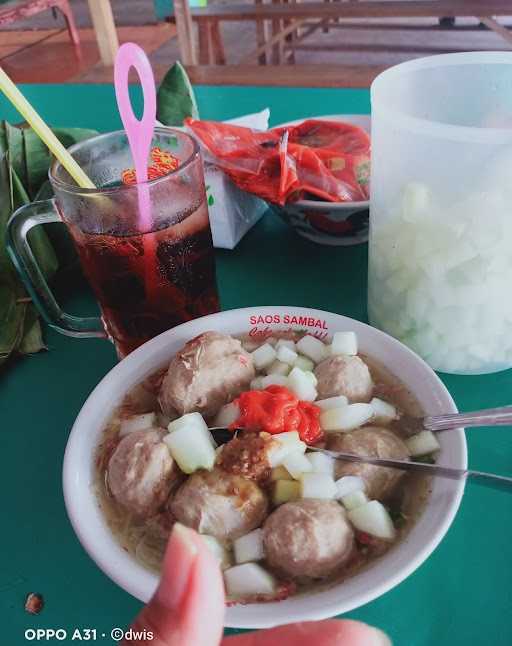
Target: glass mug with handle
x=145, y=281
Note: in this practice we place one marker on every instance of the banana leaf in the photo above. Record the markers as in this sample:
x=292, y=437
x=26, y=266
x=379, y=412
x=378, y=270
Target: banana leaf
x=175, y=99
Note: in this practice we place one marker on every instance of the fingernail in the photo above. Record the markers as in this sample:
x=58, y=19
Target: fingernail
x=179, y=559
x=381, y=639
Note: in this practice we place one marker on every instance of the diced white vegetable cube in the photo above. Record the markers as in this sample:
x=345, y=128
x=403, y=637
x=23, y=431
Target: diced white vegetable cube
x=287, y=355
x=272, y=340
x=256, y=384
x=346, y=418
x=192, y=447
x=190, y=419
x=304, y=363
x=285, y=343
x=247, y=579
x=218, y=550
x=278, y=368
x=422, y=443
x=283, y=445
x=344, y=343
x=137, y=423
x=274, y=380
x=302, y=385
x=383, y=412
x=354, y=500
x=227, y=415
x=249, y=547
x=312, y=348
x=348, y=485
x=285, y=491
x=332, y=402
x=312, y=377
x=279, y=473
x=373, y=518
x=263, y=356
x=317, y=485
x=321, y=463
x=296, y=464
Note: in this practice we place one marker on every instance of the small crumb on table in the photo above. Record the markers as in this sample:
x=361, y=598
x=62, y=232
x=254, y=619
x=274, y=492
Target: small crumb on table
x=34, y=603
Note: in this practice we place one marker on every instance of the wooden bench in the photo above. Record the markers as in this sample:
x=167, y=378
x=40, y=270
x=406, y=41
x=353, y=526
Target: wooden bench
x=289, y=16
x=13, y=11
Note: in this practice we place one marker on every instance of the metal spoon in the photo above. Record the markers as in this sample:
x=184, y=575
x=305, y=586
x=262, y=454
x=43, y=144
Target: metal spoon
x=410, y=425
x=502, y=483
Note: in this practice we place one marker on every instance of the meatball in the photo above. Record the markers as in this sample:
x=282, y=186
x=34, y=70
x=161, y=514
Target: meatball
x=308, y=539
x=375, y=442
x=209, y=371
x=220, y=504
x=344, y=375
x=247, y=455
x=141, y=472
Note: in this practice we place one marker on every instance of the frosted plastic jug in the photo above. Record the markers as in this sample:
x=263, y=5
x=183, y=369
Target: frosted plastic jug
x=440, y=250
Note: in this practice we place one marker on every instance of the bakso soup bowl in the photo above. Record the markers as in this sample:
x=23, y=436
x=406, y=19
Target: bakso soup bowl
x=377, y=577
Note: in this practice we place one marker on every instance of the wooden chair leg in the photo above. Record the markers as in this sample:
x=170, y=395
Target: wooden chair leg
x=261, y=35
x=185, y=32
x=277, y=48
x=67, y=12
x=217, y=43
x=205, y=52
x=325, y=28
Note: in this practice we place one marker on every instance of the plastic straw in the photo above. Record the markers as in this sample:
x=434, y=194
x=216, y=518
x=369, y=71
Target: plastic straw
x=43, y=131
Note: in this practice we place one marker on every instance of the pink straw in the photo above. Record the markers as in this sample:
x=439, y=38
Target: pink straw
x=139, y=133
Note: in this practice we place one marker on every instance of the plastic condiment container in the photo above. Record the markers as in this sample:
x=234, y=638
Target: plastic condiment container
x=440, y=265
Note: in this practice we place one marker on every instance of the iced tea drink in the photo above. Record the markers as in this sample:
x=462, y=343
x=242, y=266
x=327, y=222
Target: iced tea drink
x=146, y=281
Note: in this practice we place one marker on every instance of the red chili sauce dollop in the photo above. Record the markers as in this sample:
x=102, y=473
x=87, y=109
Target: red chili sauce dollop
x=277, y=410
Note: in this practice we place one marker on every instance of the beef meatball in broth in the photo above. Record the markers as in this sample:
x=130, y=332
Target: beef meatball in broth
x=220, y=504
x=142, y=472
x=375, y=442
x=344, y=375
x=308, y=539
x=208, y=372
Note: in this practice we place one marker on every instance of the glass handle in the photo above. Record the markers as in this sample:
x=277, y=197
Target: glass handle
x=18, y=228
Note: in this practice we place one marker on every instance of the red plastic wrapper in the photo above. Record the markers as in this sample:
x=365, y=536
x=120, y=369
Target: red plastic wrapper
x=324, y=160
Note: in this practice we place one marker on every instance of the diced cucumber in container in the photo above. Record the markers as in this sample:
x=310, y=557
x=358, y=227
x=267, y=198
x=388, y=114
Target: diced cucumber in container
x=422, y=443
x=264, y=356
x=347, y=418
x=137, y=423
x=283, y=445
x=373, y=518
x=312, y=347
x=274, y=380
x=285, y=343
x=256, y=384
x=344, y=343
x=249, y=547
x=317, y=485
x=248, y=579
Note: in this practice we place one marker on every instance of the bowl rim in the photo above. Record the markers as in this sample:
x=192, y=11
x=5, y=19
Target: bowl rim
x=132, y=577
x=318, y=204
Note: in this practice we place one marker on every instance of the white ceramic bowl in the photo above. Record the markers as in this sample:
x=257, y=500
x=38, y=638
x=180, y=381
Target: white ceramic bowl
x=91, y=528
x=330, y=223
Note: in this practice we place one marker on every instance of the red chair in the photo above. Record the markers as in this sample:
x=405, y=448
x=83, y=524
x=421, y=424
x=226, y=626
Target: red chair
x=21, y=9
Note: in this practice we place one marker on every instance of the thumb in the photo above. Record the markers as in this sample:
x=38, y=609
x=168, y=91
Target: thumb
x=187, y=608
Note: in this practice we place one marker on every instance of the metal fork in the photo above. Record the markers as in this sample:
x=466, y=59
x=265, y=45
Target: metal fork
x=502, y=416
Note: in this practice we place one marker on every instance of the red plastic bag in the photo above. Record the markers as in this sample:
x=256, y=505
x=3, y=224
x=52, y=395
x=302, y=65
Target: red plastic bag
x=325, y=160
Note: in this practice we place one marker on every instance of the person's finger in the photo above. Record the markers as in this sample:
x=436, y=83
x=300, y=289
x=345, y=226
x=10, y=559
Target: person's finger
x=332, y=632
x=187, y=609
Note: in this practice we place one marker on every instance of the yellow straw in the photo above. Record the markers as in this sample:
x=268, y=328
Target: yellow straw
x=44, y=132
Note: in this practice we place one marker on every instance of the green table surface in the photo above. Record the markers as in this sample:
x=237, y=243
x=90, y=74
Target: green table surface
x=460, y=595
